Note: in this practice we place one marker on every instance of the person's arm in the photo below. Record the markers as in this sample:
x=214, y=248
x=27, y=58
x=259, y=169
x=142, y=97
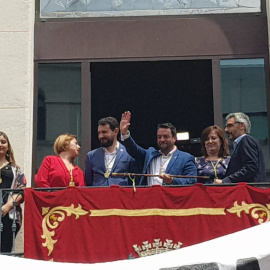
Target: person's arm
x=20, y=183
x=79, y=177
x=88, y=171
x=18, y=198
x=134, y=150
x=189, y=169
x=42, y=176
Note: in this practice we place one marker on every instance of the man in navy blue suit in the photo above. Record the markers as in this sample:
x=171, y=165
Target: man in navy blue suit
x=164, y=164
x=247, y=160
x=110, y=157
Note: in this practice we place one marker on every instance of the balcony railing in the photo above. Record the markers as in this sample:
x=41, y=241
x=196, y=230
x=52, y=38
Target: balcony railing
x=19, y=251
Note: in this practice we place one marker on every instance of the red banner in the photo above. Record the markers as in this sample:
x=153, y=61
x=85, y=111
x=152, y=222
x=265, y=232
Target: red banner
x=91, y=225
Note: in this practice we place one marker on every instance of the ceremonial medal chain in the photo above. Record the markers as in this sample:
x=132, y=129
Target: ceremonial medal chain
x=167, y=160
x=71, y=182
x=108, y=171
x=215, y=167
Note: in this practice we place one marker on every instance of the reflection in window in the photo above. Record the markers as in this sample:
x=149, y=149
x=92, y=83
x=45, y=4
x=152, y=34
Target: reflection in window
x=112, y=8
x=41, y=124
x=59, y=105
x=244, y=90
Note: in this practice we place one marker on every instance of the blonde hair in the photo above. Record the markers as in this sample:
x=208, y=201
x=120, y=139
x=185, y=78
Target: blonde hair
x=61, y=144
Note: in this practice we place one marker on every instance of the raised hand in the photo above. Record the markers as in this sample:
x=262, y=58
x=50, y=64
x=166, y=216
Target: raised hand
x=125, y=122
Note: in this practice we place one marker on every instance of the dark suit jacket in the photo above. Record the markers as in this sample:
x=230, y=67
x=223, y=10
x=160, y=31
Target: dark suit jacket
x=95, y=168
x=181, y=163
x=246, y=163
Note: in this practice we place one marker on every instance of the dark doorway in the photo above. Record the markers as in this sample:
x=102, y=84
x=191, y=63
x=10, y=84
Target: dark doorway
x=179, y=92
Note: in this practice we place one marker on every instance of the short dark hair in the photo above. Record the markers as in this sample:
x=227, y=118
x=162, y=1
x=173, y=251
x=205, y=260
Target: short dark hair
x=111, y=121
x=168, y=125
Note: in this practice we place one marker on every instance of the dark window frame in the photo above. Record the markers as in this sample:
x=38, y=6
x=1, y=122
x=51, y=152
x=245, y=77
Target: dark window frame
x=86, y=95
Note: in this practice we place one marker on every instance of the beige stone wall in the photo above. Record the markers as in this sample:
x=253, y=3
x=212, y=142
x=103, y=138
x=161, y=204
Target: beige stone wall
x=16, y=77
x=16, y=81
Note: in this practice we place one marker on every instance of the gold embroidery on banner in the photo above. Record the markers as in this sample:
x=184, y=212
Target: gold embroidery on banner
x=158, y=212
x=56, y=215
x=53, y=216
x=260, y=212
x=156, y=247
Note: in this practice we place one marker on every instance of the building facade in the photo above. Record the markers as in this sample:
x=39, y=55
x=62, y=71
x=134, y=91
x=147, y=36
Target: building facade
x=67, y=67
x=17, y=78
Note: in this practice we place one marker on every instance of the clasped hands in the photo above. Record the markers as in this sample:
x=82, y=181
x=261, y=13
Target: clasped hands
x=6, y=208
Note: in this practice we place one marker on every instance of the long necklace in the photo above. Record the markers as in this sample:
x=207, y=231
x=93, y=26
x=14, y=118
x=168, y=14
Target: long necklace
x=215, y=167
x=108, y=170
x=167, y=160
x=71, y=182
x=4, y=164
x=69, y=166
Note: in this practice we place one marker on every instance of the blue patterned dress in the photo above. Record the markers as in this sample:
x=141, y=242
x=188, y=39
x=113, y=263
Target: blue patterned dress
x=206, y=168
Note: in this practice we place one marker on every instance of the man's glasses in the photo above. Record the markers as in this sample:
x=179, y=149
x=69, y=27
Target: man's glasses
x=231, y=124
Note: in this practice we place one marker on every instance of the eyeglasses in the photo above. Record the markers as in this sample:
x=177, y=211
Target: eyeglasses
x=231, y=124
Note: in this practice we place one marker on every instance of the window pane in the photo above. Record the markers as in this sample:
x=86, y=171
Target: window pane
x=59, y=105
x=155, y=92
x=119, y=8
x=243, y=90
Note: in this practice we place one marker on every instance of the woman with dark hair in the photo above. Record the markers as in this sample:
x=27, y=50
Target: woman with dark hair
x=60, y=170
x=11, y=177
x=215, y=154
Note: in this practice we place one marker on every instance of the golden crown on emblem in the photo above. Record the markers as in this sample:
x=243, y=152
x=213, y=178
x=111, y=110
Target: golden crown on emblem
x=156, y=247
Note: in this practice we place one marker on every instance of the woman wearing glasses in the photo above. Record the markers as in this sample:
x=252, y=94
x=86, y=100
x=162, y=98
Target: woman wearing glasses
x=215, y=154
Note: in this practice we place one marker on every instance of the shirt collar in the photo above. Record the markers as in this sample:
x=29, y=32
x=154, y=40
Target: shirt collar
x=114, y=151
x=170, y=153
x=237, y=140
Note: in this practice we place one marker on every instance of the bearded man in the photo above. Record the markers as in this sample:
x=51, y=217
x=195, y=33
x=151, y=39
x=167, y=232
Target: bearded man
x=110, y=157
